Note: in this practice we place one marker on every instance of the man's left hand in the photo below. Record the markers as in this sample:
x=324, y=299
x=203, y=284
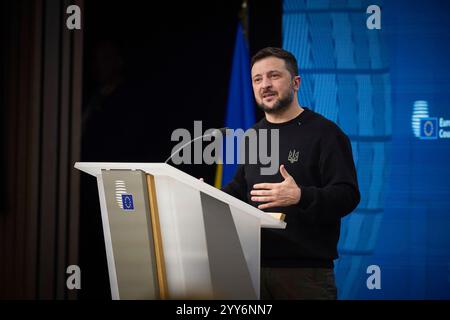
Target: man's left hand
x=281, y=194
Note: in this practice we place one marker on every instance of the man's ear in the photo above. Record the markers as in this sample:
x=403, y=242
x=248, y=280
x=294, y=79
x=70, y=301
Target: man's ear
x=297, y=81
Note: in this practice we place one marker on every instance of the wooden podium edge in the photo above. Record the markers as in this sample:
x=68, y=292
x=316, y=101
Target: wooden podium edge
x=277, y=215
x=157, y=239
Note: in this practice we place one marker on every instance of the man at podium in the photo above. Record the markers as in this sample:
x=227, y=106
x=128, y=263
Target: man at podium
x=315, y=187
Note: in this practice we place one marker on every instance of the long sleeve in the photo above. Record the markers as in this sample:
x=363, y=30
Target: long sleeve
x=238, y=186
x=339, y=193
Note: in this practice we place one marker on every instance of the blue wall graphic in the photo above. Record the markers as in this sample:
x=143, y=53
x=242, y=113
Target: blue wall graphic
x=375, y=85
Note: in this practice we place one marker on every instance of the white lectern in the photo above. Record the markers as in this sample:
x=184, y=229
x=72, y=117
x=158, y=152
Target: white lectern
x=171, y=236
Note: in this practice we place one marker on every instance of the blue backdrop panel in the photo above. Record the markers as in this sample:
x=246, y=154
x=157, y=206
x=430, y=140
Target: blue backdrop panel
x=380, y=87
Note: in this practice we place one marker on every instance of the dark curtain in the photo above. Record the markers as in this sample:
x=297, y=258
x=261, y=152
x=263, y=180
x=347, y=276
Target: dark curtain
x=41, y=98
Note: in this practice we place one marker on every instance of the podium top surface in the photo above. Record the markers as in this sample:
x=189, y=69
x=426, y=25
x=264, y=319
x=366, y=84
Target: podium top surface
x=163, y=169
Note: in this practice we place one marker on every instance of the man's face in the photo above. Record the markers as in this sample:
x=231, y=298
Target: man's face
x=273, y=85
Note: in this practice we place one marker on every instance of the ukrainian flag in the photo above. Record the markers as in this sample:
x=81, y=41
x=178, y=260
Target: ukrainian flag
x=240, y=105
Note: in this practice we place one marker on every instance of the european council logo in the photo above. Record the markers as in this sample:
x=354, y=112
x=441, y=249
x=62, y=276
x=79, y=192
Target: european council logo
x=123, y=198
x=428, y=128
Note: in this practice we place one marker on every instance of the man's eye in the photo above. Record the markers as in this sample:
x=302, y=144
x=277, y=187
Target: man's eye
x=257, y=80
x=275, y=76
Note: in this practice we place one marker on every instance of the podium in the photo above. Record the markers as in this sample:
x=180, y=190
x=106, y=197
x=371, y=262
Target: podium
x=169, y=235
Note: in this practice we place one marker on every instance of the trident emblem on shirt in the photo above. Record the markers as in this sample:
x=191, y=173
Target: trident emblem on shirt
x=293, y=156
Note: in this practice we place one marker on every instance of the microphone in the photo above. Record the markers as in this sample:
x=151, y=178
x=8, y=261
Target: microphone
x=215, y=132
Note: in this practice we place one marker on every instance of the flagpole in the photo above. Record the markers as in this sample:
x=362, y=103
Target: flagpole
x=243, y=17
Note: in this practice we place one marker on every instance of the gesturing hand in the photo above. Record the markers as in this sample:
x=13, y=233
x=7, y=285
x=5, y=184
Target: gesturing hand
x=281, y=194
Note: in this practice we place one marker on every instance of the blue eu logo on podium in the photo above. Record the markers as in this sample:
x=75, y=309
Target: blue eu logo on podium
x=428, y=128
x=127, y=200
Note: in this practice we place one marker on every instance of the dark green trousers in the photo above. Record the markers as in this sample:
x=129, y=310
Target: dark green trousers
x=298, y=284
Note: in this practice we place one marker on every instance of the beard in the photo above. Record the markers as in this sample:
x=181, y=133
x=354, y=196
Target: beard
x=281, y=104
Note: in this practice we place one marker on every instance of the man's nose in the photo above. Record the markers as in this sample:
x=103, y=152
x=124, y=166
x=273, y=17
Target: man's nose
x=266, y=83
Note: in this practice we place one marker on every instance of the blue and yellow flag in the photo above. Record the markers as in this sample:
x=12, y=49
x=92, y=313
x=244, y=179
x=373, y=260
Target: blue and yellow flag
x=240, y=105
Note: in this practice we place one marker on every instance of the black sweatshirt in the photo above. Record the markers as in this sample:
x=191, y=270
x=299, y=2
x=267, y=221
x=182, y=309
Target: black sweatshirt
x=326, y=175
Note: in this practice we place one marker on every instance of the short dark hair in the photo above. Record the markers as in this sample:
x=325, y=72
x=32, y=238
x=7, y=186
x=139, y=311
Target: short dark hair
x=289, y=58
